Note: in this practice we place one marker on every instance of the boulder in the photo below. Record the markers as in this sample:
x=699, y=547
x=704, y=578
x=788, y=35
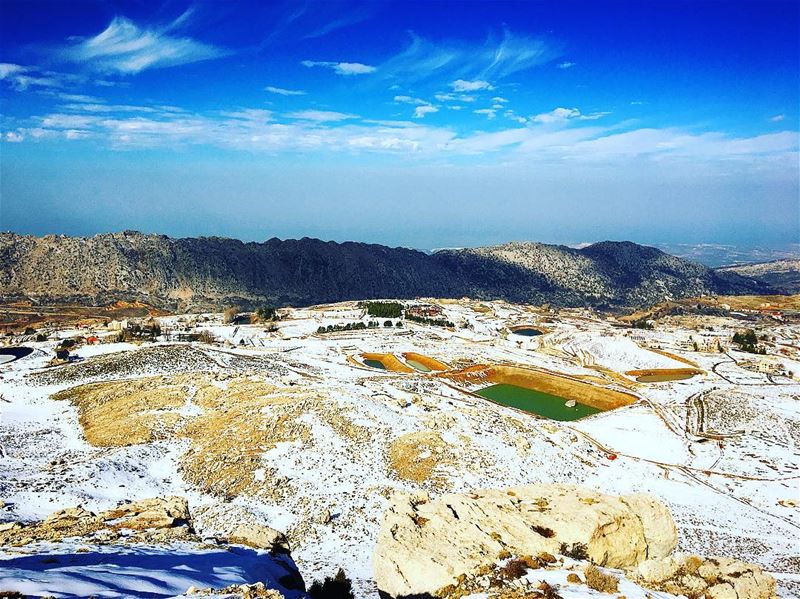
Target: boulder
x=715, y=578
x=157, y=513
x=425, y=545
x=260, y=537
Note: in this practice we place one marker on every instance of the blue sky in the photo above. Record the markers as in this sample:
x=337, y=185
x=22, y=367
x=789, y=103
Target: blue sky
x=425, y=124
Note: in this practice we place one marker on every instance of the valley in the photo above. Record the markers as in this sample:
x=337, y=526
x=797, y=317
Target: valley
x=313, y=434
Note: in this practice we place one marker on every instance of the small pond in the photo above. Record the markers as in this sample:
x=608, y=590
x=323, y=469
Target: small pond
x=536, y=402
x=418, y=365
x=375, y=364
x=527, y=332
x=9, y=354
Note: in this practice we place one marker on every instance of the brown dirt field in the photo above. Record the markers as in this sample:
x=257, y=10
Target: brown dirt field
x=389, y=361
x=427, y=361
x=19, y=315
x=663, y=371
x=601, y=398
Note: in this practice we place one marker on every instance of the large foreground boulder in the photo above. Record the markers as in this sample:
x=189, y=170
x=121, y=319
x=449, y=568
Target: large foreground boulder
x=425, y=545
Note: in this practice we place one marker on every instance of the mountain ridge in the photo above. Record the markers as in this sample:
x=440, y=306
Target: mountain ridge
x=198, y=272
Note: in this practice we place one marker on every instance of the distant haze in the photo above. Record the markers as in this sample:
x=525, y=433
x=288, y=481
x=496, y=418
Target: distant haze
x=429, y=124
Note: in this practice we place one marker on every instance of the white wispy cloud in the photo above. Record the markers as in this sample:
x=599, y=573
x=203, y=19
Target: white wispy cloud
x=499, y=100
x=321, y=116
x=341, y=68
x=559, y=115
x=284, y=92
x=256, y=129
x=488, y=112
x=421, y=111
x=777, y=118
x=21, y=77
x=410, y=100
x=454, y=97
x=566, y=65
x=125, y=47
x=462, y=85
x=493, y=59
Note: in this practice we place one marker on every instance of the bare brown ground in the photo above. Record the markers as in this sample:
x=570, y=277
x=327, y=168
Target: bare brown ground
x=664, y=371
x=601, y=398
x=389, y=361
x=674, y=357
x=19, y=315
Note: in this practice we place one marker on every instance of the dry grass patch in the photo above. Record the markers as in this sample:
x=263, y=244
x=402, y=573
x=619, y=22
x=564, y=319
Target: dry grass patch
x=121, y=413
x=416, y=456
x=600, y=581
x=238, y=424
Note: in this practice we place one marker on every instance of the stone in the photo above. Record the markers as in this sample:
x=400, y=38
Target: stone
x=149, y=513
x=424, y=545
x=260, y=537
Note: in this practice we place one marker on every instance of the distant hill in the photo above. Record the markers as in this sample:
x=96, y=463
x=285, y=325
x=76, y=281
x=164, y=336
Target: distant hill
x=781, y=274
x=196, y=273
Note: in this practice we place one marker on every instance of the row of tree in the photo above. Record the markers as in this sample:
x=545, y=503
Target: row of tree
x=384, y=309
x=356, y=326
x=437, y=322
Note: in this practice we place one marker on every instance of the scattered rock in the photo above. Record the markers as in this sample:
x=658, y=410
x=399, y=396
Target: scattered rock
x=715, y=578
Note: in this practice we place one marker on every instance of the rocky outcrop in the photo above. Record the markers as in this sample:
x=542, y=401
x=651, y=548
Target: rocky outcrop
x=196, y=273
x=713, y=578
x=424, y=545
x=260, y=537
x=160, y=532
x=156, y=519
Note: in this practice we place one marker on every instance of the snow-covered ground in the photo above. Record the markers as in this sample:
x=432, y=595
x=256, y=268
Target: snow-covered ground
x=720, y=448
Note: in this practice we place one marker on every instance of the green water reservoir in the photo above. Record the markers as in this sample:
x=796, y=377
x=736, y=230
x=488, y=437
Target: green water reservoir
x=536, y=402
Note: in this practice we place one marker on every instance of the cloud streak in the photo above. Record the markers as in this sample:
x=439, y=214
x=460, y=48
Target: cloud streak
x=494, y=59
x=284, y=92
x=341, y=68
x=127, y=48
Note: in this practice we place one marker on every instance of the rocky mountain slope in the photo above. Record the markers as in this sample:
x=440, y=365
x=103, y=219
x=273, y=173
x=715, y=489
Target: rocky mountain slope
x=203, y=272
x=782, y=274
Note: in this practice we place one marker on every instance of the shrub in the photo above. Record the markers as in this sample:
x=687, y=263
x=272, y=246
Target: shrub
x=599, y=581
x=336, y=587
x=388, y=324
x=576, y=551
x=230, y=314
x=265, y=313
x=206, y=337
x=514, y=569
